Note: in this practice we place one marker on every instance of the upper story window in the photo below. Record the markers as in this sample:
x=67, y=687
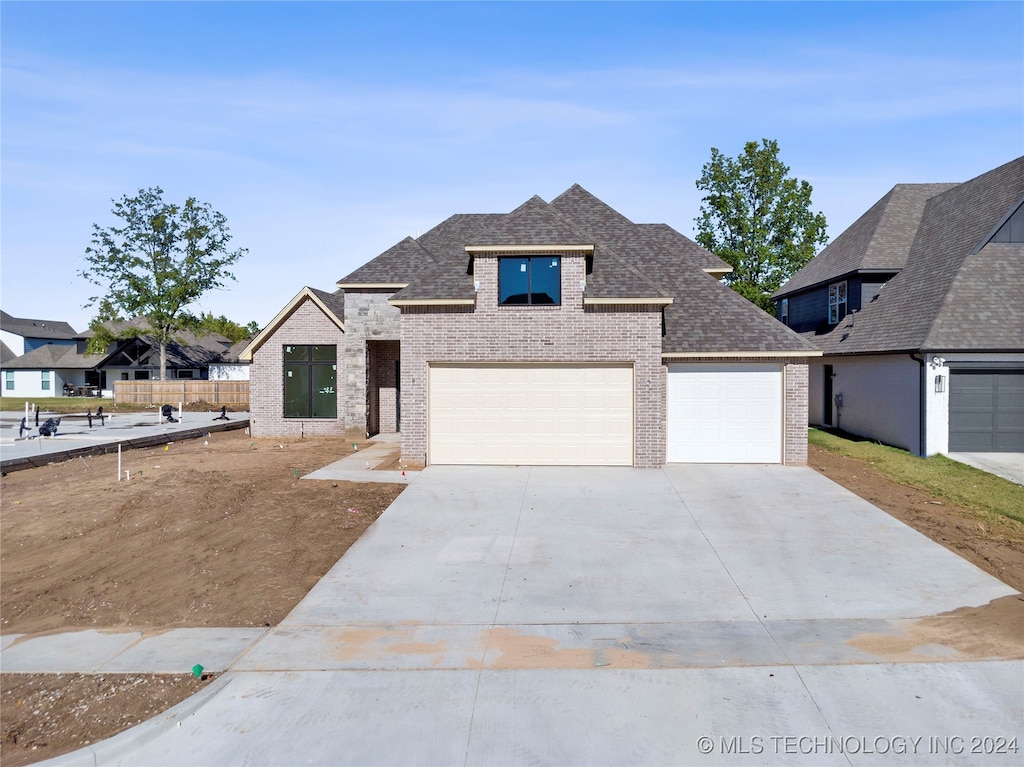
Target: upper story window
x=836, y=302
x=784, y=311
x=535, y=280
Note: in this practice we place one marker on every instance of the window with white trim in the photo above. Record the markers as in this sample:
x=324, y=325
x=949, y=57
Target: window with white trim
x=44, y=381
x=836, y=302
x=784, y=311
x=9, y=380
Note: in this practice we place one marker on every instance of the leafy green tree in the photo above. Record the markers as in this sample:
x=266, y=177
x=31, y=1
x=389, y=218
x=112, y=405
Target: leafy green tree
x=227, y=328
x=758, y=219
x=156, y=263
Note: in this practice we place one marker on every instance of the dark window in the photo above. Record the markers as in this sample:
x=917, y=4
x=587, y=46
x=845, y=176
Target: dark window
x=310, y=381
x=535, y=280
x=784, y=310
x=141, y=375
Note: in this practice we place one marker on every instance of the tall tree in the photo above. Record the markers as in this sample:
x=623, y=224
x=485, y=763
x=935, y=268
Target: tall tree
x=227, y=328
x=157, y=262
x=758, y=219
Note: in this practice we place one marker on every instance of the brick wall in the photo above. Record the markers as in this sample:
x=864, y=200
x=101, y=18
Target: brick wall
x=518, y=334
x=795, y=426
x=382, y=385
x=368, y=317
x=306, y=325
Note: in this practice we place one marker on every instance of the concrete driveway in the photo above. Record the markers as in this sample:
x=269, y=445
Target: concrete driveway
x=1006, y=465
x=686, y=615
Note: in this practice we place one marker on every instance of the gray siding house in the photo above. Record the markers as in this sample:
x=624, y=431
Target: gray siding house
x=919, y=310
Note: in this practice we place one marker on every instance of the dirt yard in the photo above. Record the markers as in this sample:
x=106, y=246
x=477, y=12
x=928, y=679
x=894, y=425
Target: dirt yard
x=226, y=534
x=215, y=532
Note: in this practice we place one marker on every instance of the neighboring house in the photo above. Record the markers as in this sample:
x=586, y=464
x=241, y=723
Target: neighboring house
x=230, y=367
x=24, y=335
x=933, y=358
x=137, y=358
x=560, y=333
x=46, y=370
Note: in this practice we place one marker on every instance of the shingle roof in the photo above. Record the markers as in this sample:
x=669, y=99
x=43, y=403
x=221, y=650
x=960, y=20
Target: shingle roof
x=398, y=265
x=879, y=240
x=6, y=353
x=533, y=223
x=54, y=357
x=630, y=261
x=947, y=297
x=28, y=328
x=665, y=239
x=334, y=301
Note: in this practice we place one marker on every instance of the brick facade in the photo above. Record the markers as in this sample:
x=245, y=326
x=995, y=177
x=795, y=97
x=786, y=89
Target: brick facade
x=567, y=333
x=382, y=386
x=795, y=425
x=306, y=325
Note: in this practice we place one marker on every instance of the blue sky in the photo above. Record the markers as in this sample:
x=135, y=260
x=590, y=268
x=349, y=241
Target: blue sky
x=328, y=131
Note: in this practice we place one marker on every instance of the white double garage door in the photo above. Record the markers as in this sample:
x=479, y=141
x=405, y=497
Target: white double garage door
x=584, y=415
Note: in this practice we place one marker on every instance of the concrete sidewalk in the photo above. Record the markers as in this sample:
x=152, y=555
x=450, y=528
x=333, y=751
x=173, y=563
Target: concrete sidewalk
x=75, y=437
x=690, y=615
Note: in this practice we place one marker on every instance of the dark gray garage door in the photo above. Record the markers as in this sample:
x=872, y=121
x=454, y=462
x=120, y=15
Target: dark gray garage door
x=986, y=411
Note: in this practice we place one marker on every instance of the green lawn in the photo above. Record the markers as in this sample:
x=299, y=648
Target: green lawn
x=944, y=478
x=66, y=404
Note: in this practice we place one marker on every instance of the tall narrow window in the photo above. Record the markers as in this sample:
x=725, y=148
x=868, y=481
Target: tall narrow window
x=45, y=380
x=836, y=302
x=784, y=311
x=310, y=381
x=535, y=280
x=9, y=380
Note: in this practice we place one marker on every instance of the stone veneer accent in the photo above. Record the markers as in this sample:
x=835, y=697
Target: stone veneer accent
x=569, y=333
x=368, y=317
x=306, y=325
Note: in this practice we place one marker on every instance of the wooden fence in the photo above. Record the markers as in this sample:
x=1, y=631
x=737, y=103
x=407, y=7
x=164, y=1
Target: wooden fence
x=234, y=394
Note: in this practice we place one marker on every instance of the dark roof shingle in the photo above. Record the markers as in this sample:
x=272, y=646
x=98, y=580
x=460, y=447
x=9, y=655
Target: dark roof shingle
x=949, y=297
x=879, y=240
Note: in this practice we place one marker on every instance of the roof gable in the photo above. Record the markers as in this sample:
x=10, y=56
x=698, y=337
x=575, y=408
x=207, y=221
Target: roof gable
x=331, y=304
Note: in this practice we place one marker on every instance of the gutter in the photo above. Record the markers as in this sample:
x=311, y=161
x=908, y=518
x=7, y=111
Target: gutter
x=920, y=400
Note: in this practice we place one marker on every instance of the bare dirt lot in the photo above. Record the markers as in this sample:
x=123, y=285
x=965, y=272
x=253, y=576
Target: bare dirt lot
x=216, y=532
x=226, y=534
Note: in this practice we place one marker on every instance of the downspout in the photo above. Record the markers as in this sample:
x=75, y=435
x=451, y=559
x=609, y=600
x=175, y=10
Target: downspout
x=920, y=406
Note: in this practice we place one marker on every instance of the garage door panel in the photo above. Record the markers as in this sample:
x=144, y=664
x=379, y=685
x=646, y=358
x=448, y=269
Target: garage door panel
x=986, y=411
x=724, y=413
x=531, y=415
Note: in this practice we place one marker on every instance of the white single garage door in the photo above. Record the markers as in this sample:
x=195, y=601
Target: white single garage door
x=538, y=414
x=724, y=413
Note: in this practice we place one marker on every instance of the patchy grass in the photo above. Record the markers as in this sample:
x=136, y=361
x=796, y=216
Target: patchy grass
x=973, y=489
x=67, y=404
